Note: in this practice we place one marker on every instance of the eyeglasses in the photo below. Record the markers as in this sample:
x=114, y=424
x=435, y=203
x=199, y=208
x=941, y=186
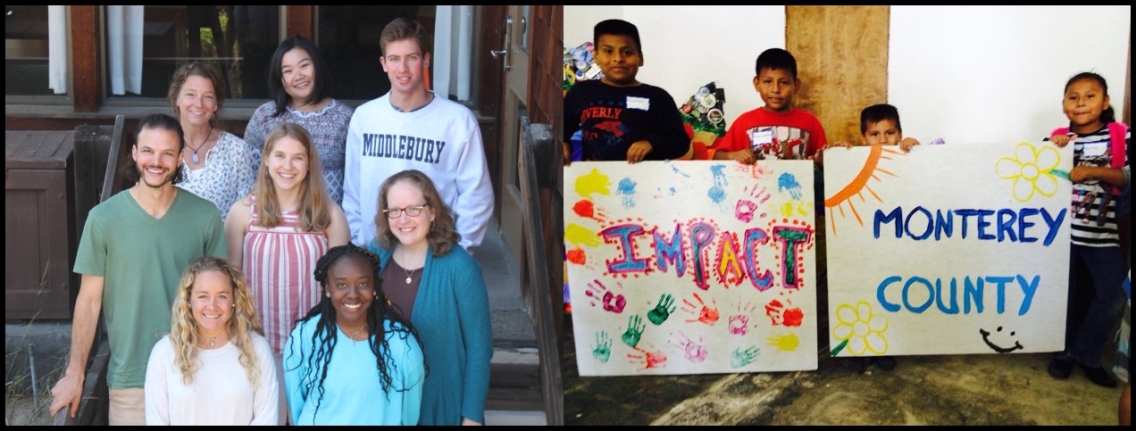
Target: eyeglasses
x=394, y=213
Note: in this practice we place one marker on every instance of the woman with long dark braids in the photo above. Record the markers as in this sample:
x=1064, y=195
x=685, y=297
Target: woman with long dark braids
x=332, y=377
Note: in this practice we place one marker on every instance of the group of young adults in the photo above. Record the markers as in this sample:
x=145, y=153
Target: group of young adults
x=317, y=271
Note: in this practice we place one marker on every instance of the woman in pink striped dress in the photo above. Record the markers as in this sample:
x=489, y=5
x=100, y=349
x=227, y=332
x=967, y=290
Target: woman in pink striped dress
x=278, y=233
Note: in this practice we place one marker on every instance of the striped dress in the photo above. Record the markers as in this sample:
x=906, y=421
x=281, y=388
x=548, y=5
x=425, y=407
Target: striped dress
x=279, y=263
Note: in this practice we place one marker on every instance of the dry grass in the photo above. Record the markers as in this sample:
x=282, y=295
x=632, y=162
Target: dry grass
x=30, y=375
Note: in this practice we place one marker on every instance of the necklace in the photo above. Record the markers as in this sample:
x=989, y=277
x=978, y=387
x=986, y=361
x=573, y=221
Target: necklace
x=197, y=160
x=213, y=339
x=355, y=333
x=408, y=275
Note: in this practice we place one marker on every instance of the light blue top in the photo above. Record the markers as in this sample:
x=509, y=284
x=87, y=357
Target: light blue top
x=451, y=315
x=353, y=392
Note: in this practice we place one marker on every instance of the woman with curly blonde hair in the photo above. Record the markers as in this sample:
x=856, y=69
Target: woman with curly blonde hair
x=215, y=336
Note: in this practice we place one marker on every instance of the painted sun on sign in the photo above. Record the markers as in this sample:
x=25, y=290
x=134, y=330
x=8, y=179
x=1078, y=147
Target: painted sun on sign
x=855, y=188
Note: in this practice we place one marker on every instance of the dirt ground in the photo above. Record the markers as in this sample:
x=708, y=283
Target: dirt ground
x=990, y=389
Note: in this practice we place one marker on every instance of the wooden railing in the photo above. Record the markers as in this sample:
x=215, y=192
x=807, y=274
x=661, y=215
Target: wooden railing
x=536, y=144
x=95, y=402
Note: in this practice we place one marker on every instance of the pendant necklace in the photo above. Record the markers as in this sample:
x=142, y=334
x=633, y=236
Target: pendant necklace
x=408, y=275
x=197, y=160
x=213, y=339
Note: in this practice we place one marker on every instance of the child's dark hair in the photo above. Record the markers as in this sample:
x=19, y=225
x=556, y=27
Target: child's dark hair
x=776, y=58
x=877, y=113
x=1108, y=116
x=617, y=27
x=325, y=335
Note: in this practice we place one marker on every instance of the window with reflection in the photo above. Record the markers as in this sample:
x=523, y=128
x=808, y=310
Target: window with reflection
x=144, y=45
x=348, y=38
x=35, y=50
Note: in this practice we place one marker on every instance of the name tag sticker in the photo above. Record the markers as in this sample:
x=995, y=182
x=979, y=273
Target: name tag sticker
x=1094, y=149
x=641, y=103
x=761, y=137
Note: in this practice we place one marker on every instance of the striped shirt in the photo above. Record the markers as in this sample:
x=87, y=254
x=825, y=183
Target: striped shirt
x=279, y=265
x=1094, y=204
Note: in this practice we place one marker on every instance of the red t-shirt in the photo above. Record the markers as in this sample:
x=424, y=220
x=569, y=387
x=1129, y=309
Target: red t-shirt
x=795, y=135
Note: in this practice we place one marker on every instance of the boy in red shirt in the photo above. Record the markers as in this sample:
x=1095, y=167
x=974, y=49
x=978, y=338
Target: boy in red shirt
x=776, y=130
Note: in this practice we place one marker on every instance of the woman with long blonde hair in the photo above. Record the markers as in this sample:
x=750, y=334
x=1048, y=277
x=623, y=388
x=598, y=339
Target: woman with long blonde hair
x=277, y=234
x=191, y=377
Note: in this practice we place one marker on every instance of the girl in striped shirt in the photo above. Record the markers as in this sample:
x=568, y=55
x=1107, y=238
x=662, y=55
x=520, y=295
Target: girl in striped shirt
x=1100, y=151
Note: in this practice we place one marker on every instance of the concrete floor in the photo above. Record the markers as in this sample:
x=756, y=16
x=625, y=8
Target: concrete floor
x=990, y=389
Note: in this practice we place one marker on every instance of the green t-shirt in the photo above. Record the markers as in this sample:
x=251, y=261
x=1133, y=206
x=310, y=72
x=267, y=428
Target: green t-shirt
x=141, y=260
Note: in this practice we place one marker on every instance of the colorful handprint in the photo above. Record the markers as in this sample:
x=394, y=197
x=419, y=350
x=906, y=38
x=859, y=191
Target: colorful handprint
x=746, y=209
x=780, y=315
x=740, y=358
x=648, y=358
x=585, y=208
x=634, y=331
x=717, y=192
x=704, y=313
x=739, y=323
x=758, y=170
x=602, y=351
x=611, y=302
x=662, y=310
x=695, y=352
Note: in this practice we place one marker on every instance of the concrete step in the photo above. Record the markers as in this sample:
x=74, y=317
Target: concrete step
x=514, y=381
x=512, y=417
x=514, y=387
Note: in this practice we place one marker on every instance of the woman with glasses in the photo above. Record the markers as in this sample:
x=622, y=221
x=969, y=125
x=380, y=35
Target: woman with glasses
x=438, y=287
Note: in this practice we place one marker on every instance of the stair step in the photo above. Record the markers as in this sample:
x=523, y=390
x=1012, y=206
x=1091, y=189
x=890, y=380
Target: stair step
x=516, y=399
x=515, y=368
x=514, y=382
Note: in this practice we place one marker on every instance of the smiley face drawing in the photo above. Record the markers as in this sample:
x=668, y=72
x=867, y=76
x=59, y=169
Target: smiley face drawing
x=995, y=347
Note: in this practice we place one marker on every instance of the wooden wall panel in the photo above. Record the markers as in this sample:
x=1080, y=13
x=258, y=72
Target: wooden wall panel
x=85, y=57
x=300, y=21
x=842, y=60
x=490, y=80
x=546, y=100
x=545, y=105
x=39, y=235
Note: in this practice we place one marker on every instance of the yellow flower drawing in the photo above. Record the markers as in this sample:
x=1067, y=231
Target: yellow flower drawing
x=1031, y=169
x=859, y=330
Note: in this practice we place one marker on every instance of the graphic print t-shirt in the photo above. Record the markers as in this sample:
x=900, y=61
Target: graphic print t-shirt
x=794, y=135
x=610, y=119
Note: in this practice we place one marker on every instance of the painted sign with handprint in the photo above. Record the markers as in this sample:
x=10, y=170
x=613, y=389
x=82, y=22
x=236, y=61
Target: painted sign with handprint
x=691, y=267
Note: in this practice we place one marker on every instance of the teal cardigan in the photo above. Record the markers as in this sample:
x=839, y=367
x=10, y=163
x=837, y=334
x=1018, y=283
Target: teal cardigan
x=451, y=315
